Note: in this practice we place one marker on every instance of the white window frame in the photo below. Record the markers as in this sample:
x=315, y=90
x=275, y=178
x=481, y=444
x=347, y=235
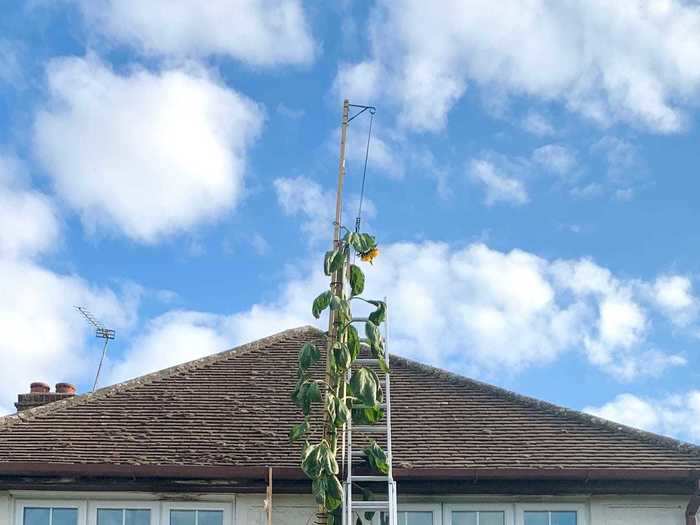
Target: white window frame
x=225, y=506
x=153, y=506
x=579, y=508
x=449, y=508
x=435, y=508
x=20, y=505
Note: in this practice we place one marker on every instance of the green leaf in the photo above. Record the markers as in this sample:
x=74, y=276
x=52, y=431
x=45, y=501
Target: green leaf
x=308, y=392
x=373, y=336
x=310, y=462
x=337, y=261
x=334, y=493
x=298, y=431
x=379, y=315
x=319, y=488
x=353, y=342
x=341, y=356
x=329, y=464
x=357, y=280
x=308, y=356
x=341, y=307
x=369, y=241
x=364, y=385
x=367, y=415
x=377, y=458
x=321, y=303
x=357, y=242
x=342, y=412
x=327, y=261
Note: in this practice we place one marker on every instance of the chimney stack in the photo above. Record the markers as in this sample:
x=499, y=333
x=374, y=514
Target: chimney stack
x=40, y=394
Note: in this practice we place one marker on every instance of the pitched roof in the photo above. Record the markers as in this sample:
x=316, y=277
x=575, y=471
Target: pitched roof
x=232, y=410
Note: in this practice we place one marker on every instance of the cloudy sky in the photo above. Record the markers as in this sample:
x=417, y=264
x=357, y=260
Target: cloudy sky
x=532, y=181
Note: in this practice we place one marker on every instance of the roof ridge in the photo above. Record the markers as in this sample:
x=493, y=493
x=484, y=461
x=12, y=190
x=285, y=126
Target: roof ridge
x=29, y=414
x=558, y=410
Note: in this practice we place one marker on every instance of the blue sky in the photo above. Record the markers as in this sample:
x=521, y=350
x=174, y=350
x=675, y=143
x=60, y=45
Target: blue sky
x=532, y=183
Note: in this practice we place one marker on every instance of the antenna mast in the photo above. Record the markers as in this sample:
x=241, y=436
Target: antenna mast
x=101, y=333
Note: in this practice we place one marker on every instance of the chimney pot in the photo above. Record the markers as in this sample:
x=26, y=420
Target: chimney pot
x=39, y=388
x=65, y=388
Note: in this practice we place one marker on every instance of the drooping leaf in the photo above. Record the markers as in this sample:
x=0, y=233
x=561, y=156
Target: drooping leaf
x=307, y=393
x=367, y=415
x=321, y=303
x=369, y=241
x=364, y=385
x=299, y=431
x=311, y=463
x=342, y=412
x=353, y=342
x=327, y=262
x=326, y=457
x=373, y=336
x=379, y=315
x=341, y=356
x=337, y=261
x=377, y=458
x=357, y=280
x=341, y=307
x=334, y=494
x=308, y=356
x=357, y=242
x=319, y=488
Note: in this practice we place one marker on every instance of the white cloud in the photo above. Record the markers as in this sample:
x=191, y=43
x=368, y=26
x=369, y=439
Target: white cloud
x=306, y=198
x=29, y=219
x=499, y=187
x=609, y=61
x=538, y=124
x=674, y=295
x=555, y=158
x=44, y=337
x=677, y=415
x=257, y=32
x=470, y=308
x=150, y=153
x=358, y=82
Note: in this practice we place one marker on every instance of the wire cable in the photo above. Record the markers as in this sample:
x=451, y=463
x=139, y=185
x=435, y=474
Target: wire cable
x=358, y=220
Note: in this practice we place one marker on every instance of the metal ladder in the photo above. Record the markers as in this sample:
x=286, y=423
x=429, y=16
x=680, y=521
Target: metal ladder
x=353, y=507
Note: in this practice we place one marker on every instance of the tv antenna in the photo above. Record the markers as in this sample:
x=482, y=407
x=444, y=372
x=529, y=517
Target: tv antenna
x=101, y=333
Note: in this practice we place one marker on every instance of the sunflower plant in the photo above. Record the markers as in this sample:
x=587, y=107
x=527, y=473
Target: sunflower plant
x=343, y=393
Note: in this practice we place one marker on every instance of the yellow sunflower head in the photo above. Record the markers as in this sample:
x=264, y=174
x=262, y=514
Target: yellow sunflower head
x=370, y=255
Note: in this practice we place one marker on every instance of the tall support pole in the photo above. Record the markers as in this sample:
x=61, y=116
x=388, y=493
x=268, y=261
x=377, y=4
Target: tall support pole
x=336, y=279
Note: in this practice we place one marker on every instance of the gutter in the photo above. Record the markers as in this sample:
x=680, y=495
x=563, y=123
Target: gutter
x=221, y=472
x=693, y=506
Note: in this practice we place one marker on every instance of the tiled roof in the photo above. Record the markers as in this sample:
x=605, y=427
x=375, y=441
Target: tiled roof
x=234, y=409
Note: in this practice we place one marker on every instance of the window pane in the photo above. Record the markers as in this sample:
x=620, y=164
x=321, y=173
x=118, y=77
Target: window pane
x=564, y=518
x=419, y=518
x=182, y=517
x=137, y=517
x=210, y=517
x=464, y=518
x=492, y=518
x=36, y=516
x=64, y=517
x=110, y=516
x=536, y=518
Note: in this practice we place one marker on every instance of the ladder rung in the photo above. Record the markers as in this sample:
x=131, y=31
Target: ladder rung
x=370, y=478
x=360, y=405
x=370, y=429
x=370, y=505
x=367, y=361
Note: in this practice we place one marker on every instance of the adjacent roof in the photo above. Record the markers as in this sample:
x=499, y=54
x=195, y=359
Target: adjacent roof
x=231, y=412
